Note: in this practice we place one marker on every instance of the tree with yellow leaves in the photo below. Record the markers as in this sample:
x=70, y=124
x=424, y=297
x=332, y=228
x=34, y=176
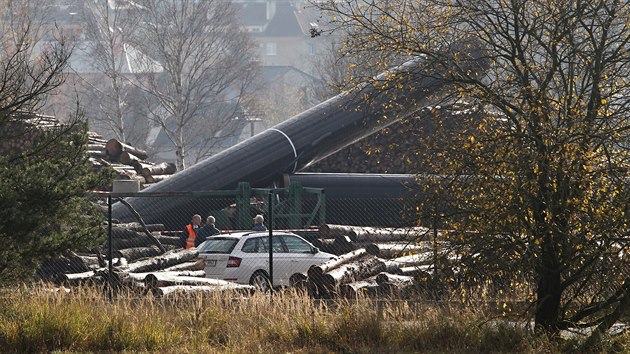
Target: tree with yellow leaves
x=535, y=187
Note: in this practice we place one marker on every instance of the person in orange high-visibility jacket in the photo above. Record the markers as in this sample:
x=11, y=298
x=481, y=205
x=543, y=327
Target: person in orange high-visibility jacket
x=189, y=234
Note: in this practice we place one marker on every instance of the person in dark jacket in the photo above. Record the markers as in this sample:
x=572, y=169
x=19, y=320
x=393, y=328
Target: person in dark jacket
x=207, y=230
x=258, y=223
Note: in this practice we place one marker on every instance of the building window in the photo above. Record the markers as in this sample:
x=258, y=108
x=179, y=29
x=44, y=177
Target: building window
x=271, y=48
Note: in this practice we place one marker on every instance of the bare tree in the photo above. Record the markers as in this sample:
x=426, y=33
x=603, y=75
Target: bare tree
x=208, y=65
x=22, y=51
x=107, y=26
x=537, y=181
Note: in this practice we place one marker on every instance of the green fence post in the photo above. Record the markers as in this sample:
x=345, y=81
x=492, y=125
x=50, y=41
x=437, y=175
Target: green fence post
x=295, y=205
x=243, y=198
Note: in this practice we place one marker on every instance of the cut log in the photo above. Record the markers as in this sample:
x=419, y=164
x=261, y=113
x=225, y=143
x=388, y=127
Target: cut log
x=131, y=175
x=156, y=178
x=114, y=148
x=360, y=269
x=199, y=264
x=373, y=234
x=138, y=166
x=181, y=273
x=171, y=247
x=90, y=261
x=163, y=261
x=171, y=233
x=122, y=233
x=397, y=285
x=384, y=277
x=187, y=289
x=356, y=289
x=331, y=230
x=70, y=262
x=96, y=163
x=128, y=158
x=133, y=254
x=414, y=259
x=324, y=244
x=342, y=245
x=316, y=272
x=159, y=279
x=123, y=243
x=74, y=279
x=392, y=267
x=298, y=280
x=93, y=146
x=417, y=271
x=103, y=162
x=393, y=249
x=96, y=153
x=136, y=226
x=168, y=240
x=96, y=139
x=139, y=218
x=120, y=167
x=163, y=168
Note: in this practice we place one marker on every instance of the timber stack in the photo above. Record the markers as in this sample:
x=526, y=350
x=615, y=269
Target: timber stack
x=373, y=262
x=145, y=259
x=21, y=129
x=130, y=163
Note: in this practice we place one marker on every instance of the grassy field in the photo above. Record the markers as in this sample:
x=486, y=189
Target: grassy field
x=45, y=320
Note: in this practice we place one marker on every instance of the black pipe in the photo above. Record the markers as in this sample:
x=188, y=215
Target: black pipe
x=366, y=199
x=295, y=143
x=357, y=185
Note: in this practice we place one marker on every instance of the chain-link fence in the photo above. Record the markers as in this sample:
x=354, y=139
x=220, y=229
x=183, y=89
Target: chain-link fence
x=206, y=241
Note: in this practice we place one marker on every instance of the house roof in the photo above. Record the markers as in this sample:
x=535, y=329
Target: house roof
x=253, y=14
x=284, y=23
x=271, y=73
x=130, y=60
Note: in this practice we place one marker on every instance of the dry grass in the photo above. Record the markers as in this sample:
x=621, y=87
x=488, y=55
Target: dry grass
x=41, y=320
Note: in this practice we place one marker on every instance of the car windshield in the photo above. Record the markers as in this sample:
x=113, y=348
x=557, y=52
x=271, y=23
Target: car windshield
x=218, y=245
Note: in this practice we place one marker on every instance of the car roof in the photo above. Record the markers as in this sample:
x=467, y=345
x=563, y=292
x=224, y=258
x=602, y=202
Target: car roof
x=242, y=234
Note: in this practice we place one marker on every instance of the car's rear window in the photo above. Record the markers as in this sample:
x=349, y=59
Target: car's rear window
x=218, y=245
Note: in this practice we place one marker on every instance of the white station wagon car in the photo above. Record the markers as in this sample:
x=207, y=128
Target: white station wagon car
x=243, y=257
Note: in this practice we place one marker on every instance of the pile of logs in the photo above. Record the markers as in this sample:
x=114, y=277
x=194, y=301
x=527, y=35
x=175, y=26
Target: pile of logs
x=129, y=162
x=145, y=258
x=362, y=273
x=340, y=239
x=376, y=262
x=370, y=261
x=21, y=129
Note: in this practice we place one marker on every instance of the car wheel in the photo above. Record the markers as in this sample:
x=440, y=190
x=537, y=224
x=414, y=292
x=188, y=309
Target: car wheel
x=261, y=281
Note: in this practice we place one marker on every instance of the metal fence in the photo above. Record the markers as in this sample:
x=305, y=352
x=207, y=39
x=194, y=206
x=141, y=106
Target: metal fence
x=328, y=247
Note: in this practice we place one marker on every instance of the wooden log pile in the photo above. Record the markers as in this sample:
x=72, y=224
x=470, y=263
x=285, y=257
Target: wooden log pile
x=143, y=260
x=20, y=129
x=374, y=262
x=150, y=260
x=129, y=162
x=375, y=234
